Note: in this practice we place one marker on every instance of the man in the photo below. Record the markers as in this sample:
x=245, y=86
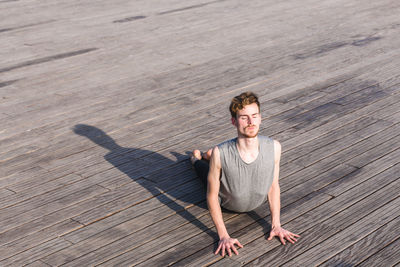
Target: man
x=242, y=173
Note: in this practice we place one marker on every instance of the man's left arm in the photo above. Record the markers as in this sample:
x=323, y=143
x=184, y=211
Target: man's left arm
x=274, y=199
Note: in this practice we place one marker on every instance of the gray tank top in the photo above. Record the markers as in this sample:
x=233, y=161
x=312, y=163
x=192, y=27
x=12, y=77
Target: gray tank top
x=244, y=186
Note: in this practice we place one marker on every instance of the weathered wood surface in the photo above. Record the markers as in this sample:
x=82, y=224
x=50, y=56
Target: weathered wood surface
x=100, y=103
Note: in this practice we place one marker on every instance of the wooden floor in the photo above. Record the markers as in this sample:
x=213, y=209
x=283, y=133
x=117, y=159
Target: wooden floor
x=102, y=100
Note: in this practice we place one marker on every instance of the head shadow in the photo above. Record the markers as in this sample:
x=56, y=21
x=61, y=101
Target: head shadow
x=170, y=181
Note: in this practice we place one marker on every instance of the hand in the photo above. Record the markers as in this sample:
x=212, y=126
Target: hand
x=227, y=244
x=283, y=234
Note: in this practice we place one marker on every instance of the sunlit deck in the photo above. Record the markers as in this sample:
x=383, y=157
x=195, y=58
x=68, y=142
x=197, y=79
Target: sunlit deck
x=101, y=101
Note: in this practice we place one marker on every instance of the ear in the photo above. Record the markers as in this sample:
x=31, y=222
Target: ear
x=233, y=120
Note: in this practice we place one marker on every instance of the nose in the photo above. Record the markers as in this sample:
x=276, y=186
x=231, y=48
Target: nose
x=250, y=121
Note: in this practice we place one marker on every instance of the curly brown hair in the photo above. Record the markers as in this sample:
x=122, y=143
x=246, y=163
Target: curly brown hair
x=244, y=99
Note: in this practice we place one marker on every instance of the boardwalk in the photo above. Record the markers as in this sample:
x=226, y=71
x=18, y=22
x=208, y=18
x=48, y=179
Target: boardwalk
x=100, y=102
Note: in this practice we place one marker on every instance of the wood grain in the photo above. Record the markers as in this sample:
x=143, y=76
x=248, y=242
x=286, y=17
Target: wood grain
x=100, y=106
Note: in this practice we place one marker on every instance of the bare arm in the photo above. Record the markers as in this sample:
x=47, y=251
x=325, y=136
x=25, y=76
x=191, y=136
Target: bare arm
x=274, y=198
x=212, y=193
x=225, y=243
x=274, y=194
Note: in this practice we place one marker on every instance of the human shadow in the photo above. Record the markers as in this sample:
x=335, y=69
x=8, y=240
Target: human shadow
x=264, y=224
x=156, y=173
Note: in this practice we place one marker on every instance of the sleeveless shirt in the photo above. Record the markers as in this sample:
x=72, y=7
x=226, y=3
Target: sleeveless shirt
x=244, y=186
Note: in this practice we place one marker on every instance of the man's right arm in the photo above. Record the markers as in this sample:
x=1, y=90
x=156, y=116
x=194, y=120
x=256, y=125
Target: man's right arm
x=226, y=243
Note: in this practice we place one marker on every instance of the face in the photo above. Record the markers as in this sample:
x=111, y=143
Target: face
x=248, y=121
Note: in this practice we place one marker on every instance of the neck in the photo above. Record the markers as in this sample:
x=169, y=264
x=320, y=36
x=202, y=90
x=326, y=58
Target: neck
x=247, y=144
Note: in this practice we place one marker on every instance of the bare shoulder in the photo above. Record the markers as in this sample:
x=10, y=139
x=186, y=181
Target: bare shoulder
x=215, y=151
x=215, y=157
x=277, y=145
x=277, y=150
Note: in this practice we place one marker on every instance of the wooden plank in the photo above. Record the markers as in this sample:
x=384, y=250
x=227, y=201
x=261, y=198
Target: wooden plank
x=165, y=179
x=102, y=199
x=15, y=247
x=47, y=59
x=37, y=263
x=49, y=197
x=38, y=190
x=374, y=154
x=353, y=233
x=365, y=111
x=373, y=168
x=318, y=107
x=153, y=189
x=22, y=175
x=388, y=256
x=18, y=151
x=367, y=246
x=341, y=144
x=28, y=216
x=301, y=175
x=299, y=129
x=175, y=200
x=35, y=253
x=66, y=213
x=6, y=192
x=152, y=214
x=362, y=97
x=384, y=177
x=320, y=181
x=325, y=140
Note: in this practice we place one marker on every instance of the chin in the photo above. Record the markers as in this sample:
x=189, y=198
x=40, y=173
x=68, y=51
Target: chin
x=251, y=135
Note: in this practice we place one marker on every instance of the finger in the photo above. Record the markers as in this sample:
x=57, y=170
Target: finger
x=229, y=251
x=271, y=235
x=238, y=243
x=282, y=239
x=235, y=250
x=293, y=235
x=223, y=251
x=218, y=249
x=290, y=239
